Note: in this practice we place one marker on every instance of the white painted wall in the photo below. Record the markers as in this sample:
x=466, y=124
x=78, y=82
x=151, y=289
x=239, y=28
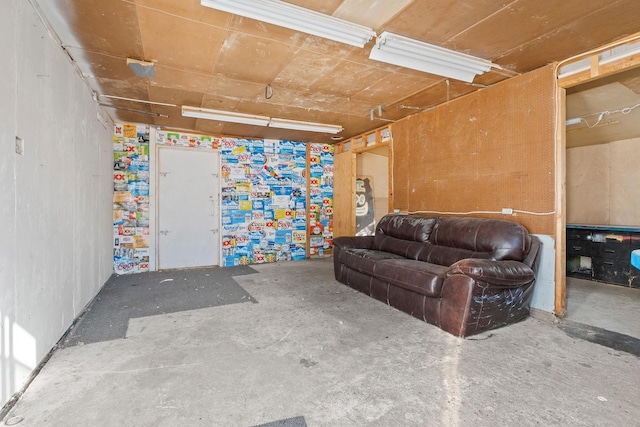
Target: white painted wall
x=55, y=203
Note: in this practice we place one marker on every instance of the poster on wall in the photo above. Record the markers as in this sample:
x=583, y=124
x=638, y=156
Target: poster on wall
x=320, y=199
x=130, y=198
x=365, y=214
x=263, y=200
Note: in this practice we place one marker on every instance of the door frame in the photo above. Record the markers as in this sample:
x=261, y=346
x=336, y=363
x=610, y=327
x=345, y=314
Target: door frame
x=594, y=71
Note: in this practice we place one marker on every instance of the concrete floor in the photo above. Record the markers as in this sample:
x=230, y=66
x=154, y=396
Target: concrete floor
x=315, y=349
x=611, y=307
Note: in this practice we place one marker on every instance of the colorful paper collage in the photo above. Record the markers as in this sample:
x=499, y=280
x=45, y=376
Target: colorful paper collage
x=263, y=197
x=320, y=199
x=176, y=139
x=130, y=198
x=263, y=201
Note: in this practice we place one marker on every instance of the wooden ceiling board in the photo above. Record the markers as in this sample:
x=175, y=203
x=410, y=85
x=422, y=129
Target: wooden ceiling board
x=535, y=19
x=633, y=84
x=125, y=89
x=305, y=68
x=214, y=59
x=266, y=31
x=167, y=77
x=125, y=104
x=389, y=89
x=348, y=78
x=590, y=103
x=292, y=113
x=328, y=7
x=368, y=13
x=109, y=67
x=219, y=102
x=581, y=35
x=133, y=117
x=174, y=96
x=178, y=43
x=352, y=107
x=322, y=46
x=190, y=10
x=234, y=89
x=304, y=99
x=253, y=59
x=107, y=27
x=437, y=21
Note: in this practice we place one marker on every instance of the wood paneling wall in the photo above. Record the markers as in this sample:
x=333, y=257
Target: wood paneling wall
x=486, y=151
x=602, y=184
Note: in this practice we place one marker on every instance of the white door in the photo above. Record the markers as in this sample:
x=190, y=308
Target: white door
x=188, y=222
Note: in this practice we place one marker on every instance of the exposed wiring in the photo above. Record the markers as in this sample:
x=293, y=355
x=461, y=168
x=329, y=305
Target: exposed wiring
x=149, y=113
x=483, y=212
x=602, y=114
x=137, y=100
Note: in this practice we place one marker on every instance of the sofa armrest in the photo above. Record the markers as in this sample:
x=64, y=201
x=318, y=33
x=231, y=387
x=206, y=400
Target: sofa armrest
x=355, y=242
x=347, y=242
x=499, y=273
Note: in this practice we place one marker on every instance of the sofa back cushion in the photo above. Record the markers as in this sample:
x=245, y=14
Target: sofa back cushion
x=405, y=235
x=479, y=238
x=446, y=255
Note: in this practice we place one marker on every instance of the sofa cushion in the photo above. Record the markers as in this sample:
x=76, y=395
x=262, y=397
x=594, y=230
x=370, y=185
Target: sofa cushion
x=417, y=276
x=501, y=240
x=445, y=255
x=405, y=248
x=363, y=260
x=404, y=227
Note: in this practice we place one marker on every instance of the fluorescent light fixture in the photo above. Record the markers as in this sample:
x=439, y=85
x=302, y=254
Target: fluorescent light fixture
x=306, y=126
x=248, y=119
x=297, y=18
x=405, y=52
x=574, y=121
x=224, y=116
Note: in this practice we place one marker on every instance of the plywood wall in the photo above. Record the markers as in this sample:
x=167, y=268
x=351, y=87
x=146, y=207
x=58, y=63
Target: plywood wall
x=344, y=185
x=491, y=149
x=602, y=184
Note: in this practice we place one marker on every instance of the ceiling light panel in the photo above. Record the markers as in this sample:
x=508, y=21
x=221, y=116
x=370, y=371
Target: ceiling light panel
x=297, y=18
x=224, y=116
x=305, y=126
x=409, y=53
x=249, y=119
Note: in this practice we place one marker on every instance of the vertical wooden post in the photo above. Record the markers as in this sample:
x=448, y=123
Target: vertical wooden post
x=560, y=306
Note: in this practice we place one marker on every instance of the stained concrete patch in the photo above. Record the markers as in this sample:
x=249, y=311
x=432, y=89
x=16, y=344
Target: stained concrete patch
x=614, y=340
x=289, y=422
x=147, y=294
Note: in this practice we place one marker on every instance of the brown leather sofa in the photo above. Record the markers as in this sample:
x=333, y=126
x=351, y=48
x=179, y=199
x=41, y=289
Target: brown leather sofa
x=464, y=275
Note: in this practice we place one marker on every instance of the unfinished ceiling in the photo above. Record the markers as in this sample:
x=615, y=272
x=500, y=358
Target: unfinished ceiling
x=609, y=108
x=212, y=59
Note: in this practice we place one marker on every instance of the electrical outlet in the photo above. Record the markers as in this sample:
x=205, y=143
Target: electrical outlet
x=19, y=145
x=507, y=211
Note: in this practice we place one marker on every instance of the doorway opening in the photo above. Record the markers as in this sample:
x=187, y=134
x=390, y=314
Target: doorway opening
x=602, y=212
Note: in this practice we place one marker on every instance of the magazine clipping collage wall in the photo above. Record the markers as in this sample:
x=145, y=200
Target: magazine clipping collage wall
x=264, y=200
